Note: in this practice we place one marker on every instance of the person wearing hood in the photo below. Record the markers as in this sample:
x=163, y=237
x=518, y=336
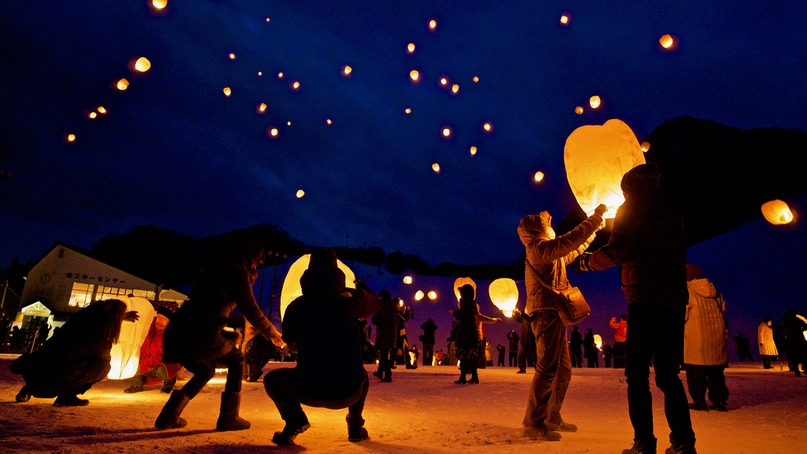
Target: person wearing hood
x=647, y=241
x=547, y=257
x=324, y=327
x=767, y=347
x=706, y=350
x=196, y=337
x=469, y=322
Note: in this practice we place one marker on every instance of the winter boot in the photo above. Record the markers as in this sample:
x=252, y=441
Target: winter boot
x=70, y=400
x=720, y=405
x=355, y=430
x=641, y=447
x=169, y=416
x=461, y=380
x=228, y=414
x=137, y=384
x=23, y=395
x=474, y=379
x=293, y=428
x=680, y=449
x=699, y=405
x=168, y=386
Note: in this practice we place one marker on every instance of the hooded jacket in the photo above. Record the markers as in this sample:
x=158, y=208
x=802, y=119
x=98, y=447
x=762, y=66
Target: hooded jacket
x=647, y=240
x=547, y=256
x=705, y=336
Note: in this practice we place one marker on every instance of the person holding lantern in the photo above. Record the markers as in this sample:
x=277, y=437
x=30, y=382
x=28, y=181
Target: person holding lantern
x=197, y=338
x=547, y=256
x=648, y=242
x=469, y=322
x=151, y=366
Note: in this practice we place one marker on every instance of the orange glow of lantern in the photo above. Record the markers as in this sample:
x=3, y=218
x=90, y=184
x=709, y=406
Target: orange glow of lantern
x=667, y=41
x=280, y=75
x=504, y=295
x=410, y=48
x=272, y=132
x=645, y=146
x=328, y=121
x=419, y=295
x=446, y=132
x=288, y=123
x=159, y=4
x=295, y=85
x=476, y=79
x=414, y=75
x=347, y=70
x=777, y=212
x=260, y=73
x=473, y=150
x=126, y=352
x=539, y=176
x=487, y=127
x=594, y=101
x=596, y=158
x=407, y=111
x=141, y=65
x=92, y=115
x=122, y=84
x=432, y=295
x=227, y=92
x=232, y=56
x=300, y=193
x=455, y=88
x=70, y=137
x=565, y=18
x=291, y=288
x=459, y=282
x=268, y=19
x=261, y=108
x=407, y=280
x=578, y=110
x=436, y=167
x=598, y=341
x=101, y=110
x=432, y=25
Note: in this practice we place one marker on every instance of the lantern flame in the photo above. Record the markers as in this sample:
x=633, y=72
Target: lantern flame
x=777, y=212
x=504, y=295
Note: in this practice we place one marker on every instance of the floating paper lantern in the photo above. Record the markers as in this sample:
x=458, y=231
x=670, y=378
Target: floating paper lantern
x=407, y=111
x=227, y=91
x=446, y=131
x=260, y=73
x=414, y=75
x=291, y=289
x=487, y=127
x=455, y=88
x=101, y=110
x=444, y=81
x=295, y=85
x=122, y=84
x=70, y=137
x=476, y=79
x=432, y=295
x=419, y=295
x=578, y=110
x=805, y=321
x=565, y=18
x=407, y=280
x=261, y=108
x=141, y=65
x=347, y=70
x=596, y=158
x=459, y=282
x=159, y=4
x=594, y=101
x=126, y=352
x=288, y=123
x=504, y=295
x=598, y=341
x=777, y=212
x=410, y=48
x=436, y=167
x=232, y=56
x=539, y=176
x=280, y=75
x=432, y=25
x=92, y=115
x=473, y=151
x=645, y=147
x=667, y=41
x=328, y=121
x=272, y=132
x=300, y=193
x=268, y=20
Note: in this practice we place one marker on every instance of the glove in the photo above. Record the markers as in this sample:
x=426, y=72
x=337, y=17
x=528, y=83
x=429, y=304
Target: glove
x=132, y=316
x=601, y=209
x=582, y=264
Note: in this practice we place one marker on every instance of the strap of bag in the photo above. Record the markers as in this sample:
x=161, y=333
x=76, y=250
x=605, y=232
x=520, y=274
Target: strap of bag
x=538, y=276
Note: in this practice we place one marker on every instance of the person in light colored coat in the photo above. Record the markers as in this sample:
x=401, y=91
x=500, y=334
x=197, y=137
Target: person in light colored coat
x=767, y=347
x=706, y=351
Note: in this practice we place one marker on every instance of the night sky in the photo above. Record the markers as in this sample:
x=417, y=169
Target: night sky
x=173, y=151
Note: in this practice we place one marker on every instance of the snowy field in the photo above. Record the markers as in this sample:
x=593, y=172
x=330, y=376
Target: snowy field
x=421, y=411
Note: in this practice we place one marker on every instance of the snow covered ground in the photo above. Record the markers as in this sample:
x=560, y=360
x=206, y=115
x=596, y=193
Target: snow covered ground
x=421, y=411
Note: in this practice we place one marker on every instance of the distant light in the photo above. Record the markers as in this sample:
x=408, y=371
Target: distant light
x=122, y=84
x=272, y=132
x=578, y=110
x=260, y=73
x=414, y=75
x=267, y=19
x=436, y=167
x=92, y=115
x=476, y=79
x=347, y=70
x=227, y=91
x=410, y=48
x=473, y=150
x=432, y=295
x=443, y=81
x=288, y=123
x=419, y=295
x=645, y=146
x=487, y=126
x=280, y=75
x=295, y=85
x=408, y=111
x=300, y=193
x=232, y=56
x=142, y=64
x=594, y=102
x=667, y=41
x=71, y=137
x=447, y=131
x=455, y=88
x=159, y=4
x=777, y=212
x=432, y=25
x=328, y=121
x=407, y=280
x=565, y=18
x=539, y=176
x=101, y=110
x=261, y=107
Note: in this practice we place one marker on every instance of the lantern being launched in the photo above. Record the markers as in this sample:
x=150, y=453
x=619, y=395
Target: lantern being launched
x=459, y=282
x=596, y=158
x=126, y=352
x=777, y=212
x=291, y=285
x=504, y=295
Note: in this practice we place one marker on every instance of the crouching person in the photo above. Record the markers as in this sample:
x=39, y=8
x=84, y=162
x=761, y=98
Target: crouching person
x=323, y=326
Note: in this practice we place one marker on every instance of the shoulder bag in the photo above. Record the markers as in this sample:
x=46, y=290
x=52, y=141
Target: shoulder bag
x=571, y=305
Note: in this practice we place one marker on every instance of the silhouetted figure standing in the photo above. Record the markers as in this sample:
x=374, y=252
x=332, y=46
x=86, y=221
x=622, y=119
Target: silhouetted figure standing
x=501, y=350
x=590, y=350
x=607, y=354
x=512, y=347
x=742, y=345
x=767, y=346
x=793, y=328
x=526, y=356
x=386, y=334
x=576, y=347
x=468, y=337
x=428, y=327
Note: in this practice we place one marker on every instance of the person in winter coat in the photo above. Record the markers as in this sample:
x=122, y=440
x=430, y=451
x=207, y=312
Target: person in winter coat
x=526, y=356
x=545, y=270
x=468, y=337
x=76, y=357
x=428, y=327
x=648, y=242
x=620, y=328
x=324, y=326
x=402, y=348
x=500, y=351
x=151, y=365
x=386, y=334
x=767, y=347
x=196, y=336
x=512, y=348
x=591, y=352
x=793, y=328
x=576, y=347
x=706, y=351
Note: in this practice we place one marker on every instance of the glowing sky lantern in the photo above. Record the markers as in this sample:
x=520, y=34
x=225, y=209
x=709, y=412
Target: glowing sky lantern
x=432, y=295
x=539, y=176
x=578, y=110
x=260, y=73
x=598, y=341
x=280, y=75
x=328, y=121
x=142, y=65
x=101, y=110
x=407, y=280
x=408, y=110
x=288, y=123
x=295, y=85
x=777, y=212
x=459, y=282
x=272, y=132
x=667, y=41
x=232, y=56
x=444, y=81
x=565, y=18
x=473, y=150
x=645, y=146
x=455, y=88
x=596, y=158
x=487, y=127
x=268, y=19
x=227, y=92
x=347, y=70
x=126, y=353
x=261, y=107
x=594, y=102
x=414, y=75
x=70, y=137
x=436, y=167
x=432, y=25
x=122, y=84
x=92, y=115
x=476, y=79
x=410, y=48
x=291, y=289
x=804, y=319
x=159, y=4
x=446, y=131
x=504, y=295
x=419, y=295
x=300, y=193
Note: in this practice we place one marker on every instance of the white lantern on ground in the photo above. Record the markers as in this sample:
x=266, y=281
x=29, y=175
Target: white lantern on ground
x=126, y=353
x=291, y=284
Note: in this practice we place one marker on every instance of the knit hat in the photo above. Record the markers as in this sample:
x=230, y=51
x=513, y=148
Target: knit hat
x=694, y=272
x=641, y=178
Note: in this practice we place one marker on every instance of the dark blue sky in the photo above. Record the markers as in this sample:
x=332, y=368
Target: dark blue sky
x=174, y=152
